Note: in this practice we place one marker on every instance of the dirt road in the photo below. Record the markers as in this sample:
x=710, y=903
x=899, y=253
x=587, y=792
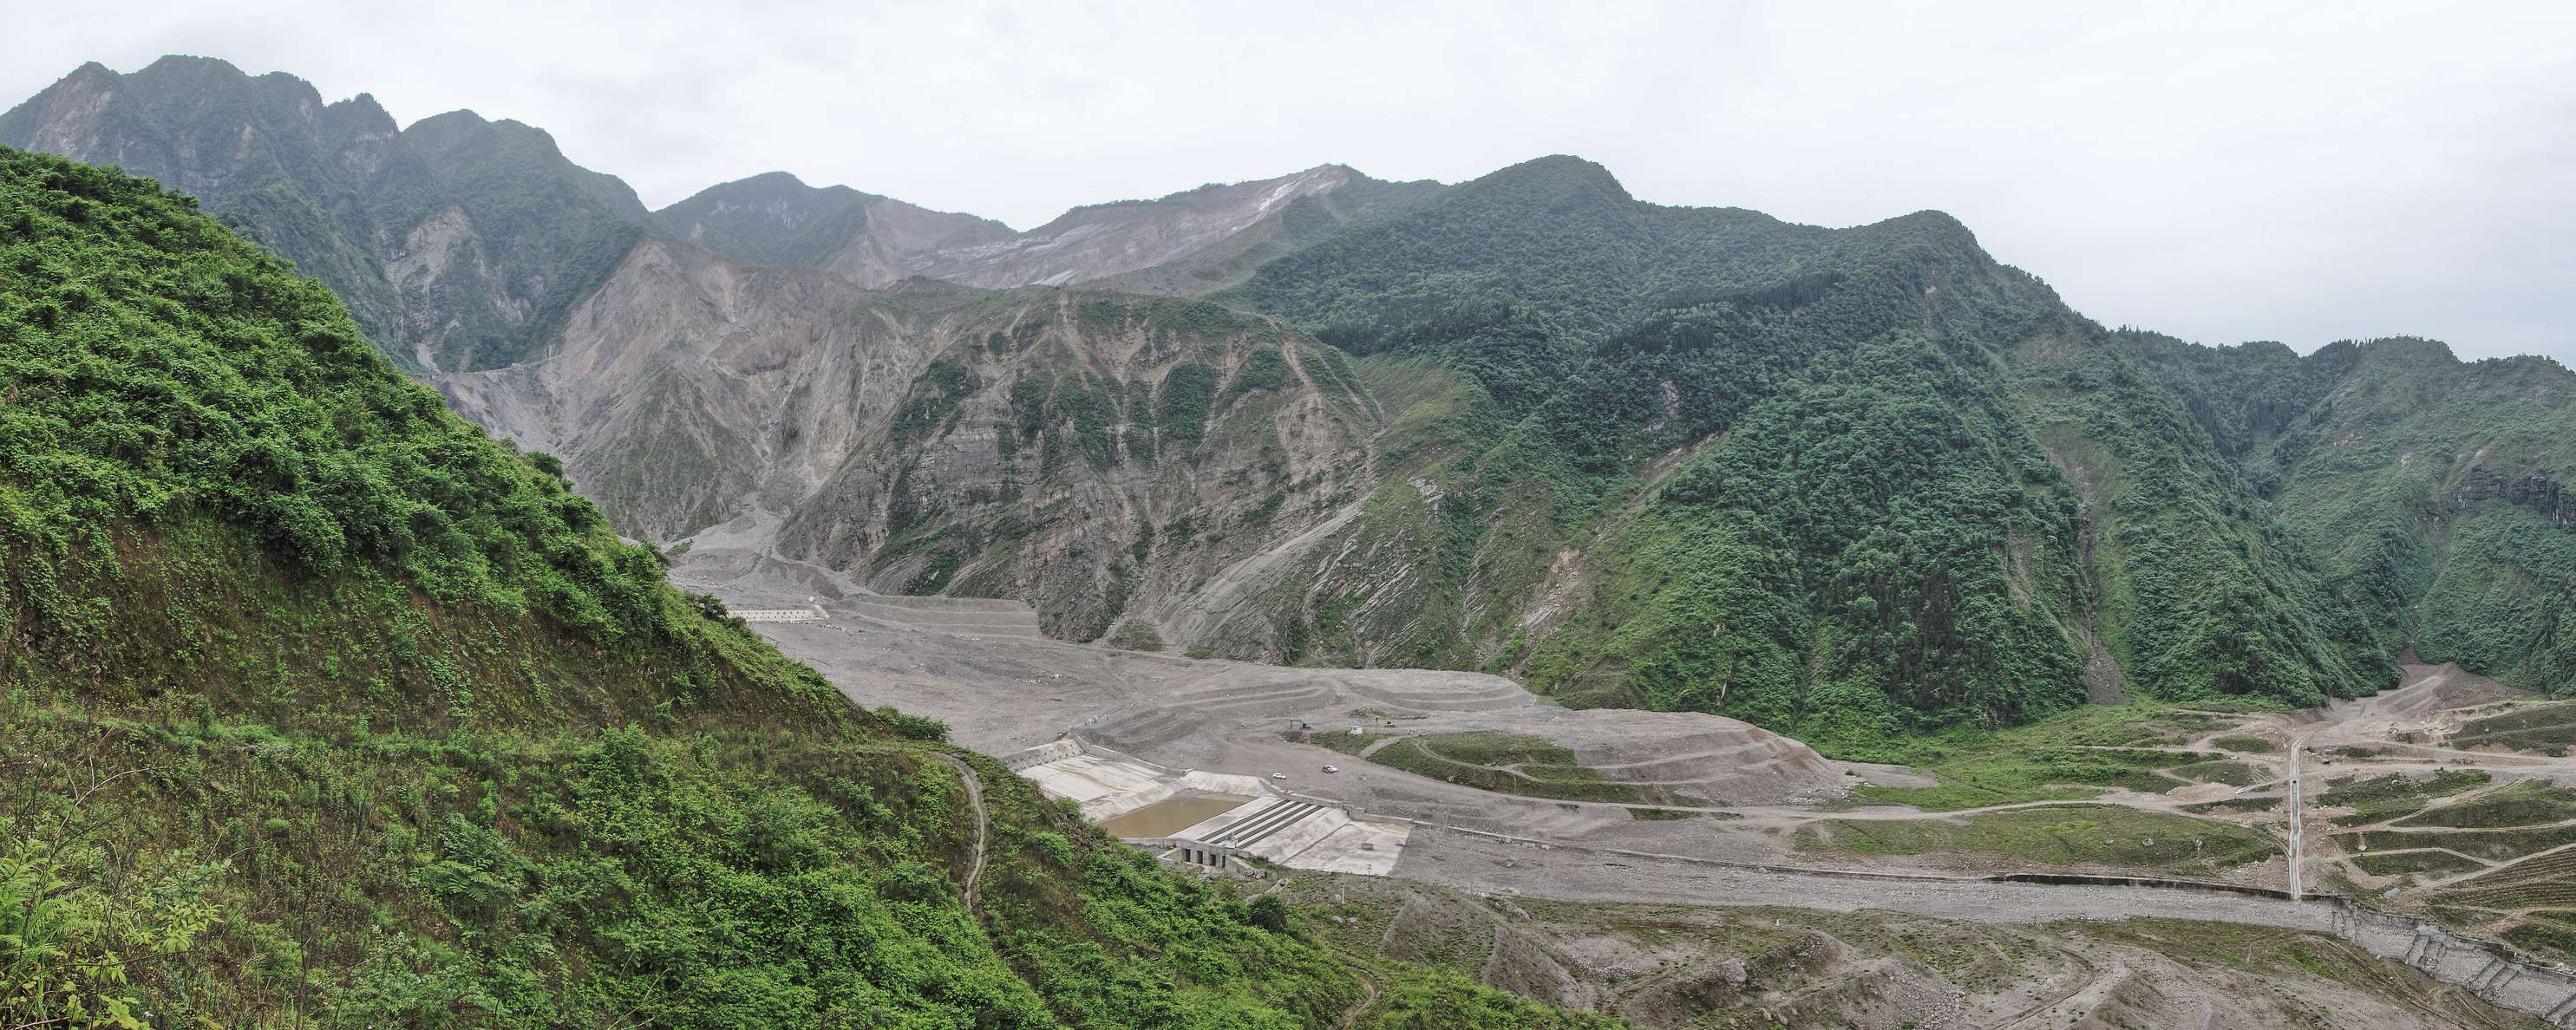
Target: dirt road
x=2298, y=822
x=983, y=831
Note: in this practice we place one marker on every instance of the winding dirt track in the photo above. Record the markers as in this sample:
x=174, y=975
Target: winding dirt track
x=983, y=831
x=1368, y=984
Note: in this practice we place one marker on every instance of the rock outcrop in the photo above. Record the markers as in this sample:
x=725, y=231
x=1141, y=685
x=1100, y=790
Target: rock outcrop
x=1082, y=451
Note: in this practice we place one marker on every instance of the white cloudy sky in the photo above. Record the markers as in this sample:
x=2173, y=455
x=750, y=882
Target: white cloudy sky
x=2222, y=171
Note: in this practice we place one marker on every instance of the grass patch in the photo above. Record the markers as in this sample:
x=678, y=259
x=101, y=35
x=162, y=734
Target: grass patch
x=2396, y=863
x=2546, y=938
x=1657, y=815
x=2529, y=803
x=2546, y=881
x=2070, y=757
x=2248, y=804
x=1342, y=741
x=2246, y=745
x=2060, y=835
x=2260, y=950
x=2233, y=774
x=2549, y=729
x=2380, y=798
x=2492, y=845
x=1506, y=764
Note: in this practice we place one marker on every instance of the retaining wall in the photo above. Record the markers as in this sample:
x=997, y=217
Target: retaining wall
x=1051, y=751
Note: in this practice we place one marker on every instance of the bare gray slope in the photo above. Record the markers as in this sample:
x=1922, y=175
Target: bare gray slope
x=1001, y=693
x=1079, y=451
x=1190, y=242
x=1217, y=232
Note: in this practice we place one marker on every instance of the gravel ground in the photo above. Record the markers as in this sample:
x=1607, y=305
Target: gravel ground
x=1486, y=865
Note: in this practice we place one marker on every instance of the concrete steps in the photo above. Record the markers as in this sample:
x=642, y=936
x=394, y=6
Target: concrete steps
x=1279, y=830
x=1260, y=824
x=1297, y=835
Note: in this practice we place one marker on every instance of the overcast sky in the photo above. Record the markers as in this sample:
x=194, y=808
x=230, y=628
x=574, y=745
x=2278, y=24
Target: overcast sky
x=2224, y=171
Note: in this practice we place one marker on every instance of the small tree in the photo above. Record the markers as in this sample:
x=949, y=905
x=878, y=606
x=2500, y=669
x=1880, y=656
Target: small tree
x=1136, y=635
x=1268, y=913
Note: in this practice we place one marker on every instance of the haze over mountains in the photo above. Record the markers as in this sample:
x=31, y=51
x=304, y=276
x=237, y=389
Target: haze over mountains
x=1843, y=483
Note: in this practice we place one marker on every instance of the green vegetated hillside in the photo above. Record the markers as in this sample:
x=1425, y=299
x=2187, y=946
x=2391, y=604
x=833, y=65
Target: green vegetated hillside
x=320, y=707
x=457, y=243
x=1845, y=483
x=2437, y=494
x=1849, y=484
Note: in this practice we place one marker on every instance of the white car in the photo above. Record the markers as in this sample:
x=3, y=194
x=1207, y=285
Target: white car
x=1278, y=776
x=1332, y=769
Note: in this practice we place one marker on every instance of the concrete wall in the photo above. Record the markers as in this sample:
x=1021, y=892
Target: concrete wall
x=1192, y=852
x=1053, y=750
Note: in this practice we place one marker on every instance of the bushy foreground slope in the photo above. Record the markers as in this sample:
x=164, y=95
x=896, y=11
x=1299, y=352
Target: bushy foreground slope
x=320, y=707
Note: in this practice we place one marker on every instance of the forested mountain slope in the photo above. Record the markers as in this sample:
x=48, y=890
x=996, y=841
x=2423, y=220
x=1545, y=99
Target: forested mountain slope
x=1839, y=482
x=323, y=708
x=2435, y=493
x=458, y=242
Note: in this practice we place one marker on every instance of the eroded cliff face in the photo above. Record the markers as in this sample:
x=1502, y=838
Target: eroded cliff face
x=1095, y=454
x=677, y=394
x=1092, y=454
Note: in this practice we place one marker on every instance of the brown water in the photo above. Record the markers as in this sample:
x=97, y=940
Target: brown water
x=1171, y=815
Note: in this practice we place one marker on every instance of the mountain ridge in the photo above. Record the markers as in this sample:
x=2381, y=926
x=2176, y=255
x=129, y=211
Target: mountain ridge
x=1576, y=432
